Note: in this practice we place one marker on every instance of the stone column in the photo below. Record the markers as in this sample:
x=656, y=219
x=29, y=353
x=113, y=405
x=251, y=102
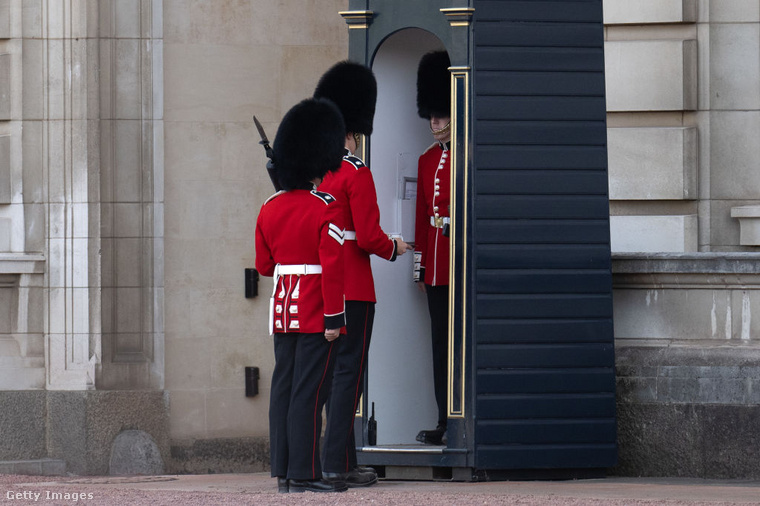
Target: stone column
x=92, y=150
x=60, y=98
x=131, y=186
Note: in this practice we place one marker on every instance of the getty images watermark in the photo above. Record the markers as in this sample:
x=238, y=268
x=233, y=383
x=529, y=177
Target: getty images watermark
x=47, y=495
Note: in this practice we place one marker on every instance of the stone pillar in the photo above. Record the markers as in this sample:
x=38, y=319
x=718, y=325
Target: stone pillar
x=60, y=58
x=91, y=75
x=131, y=188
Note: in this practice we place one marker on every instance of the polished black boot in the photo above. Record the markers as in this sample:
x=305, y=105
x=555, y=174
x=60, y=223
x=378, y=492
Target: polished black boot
x=353, y=478
x=282, y=485
x=316, y=486
x=432, y=437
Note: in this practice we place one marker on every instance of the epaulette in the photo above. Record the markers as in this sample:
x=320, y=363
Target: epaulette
x=355, y=161
x=436, y=143
x=273, y=196
x=323, y=196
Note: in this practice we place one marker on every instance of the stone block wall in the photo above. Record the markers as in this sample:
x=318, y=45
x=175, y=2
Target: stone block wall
x=652, y=57
x=23, y=419
x=688, y=412
x=22, y=226
x=618, y=12
x=683, y=100
x=651, y=75
x=131, y=147
x=651, y=163
x=688, y=367
x=130, y=180
x=223, y=63
x=83, y=426
x=684, y=194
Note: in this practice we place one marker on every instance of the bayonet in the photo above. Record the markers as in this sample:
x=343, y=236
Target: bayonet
x=270, y=154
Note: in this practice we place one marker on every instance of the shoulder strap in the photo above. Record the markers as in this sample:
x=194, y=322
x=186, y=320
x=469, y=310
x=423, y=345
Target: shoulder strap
x=355, y=161
x=323, y=196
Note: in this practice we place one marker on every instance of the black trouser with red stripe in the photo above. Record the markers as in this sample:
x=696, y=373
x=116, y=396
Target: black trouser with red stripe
x=300, y=383
x=438, y=306
x=347, y=387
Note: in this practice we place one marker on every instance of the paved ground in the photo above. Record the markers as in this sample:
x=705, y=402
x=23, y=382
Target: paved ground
x=259, y=488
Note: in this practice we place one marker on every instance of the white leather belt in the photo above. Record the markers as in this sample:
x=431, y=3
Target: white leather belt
x=300, y=270
x=285, y=270
x=349, y=235
x=439, y=221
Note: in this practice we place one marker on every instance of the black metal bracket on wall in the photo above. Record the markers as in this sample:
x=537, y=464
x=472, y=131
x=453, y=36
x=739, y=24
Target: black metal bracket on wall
x=251, y=381
x=251, y=283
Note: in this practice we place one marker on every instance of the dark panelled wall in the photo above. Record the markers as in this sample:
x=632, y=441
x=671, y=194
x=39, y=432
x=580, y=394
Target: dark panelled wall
x=544, y=358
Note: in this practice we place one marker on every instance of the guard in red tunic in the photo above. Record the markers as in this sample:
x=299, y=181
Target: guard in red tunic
x=353, y=88
x=299, y=241
x=431, y=232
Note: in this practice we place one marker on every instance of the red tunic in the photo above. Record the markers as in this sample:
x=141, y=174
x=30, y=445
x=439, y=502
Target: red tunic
x=295, y=228
x=433, y=200
x=354, y=189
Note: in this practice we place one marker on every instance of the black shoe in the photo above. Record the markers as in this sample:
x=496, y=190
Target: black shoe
x=352, y=479
x=432, y=437
x=366, y=469
x=282, y=485
x=317, y=486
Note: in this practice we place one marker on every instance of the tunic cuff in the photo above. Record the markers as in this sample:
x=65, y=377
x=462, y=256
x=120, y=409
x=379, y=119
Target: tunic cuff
x=335, y=321
x=395, y=251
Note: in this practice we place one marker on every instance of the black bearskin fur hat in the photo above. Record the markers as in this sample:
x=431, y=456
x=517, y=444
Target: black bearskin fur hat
x=434, y=85
x=353, y=88
x=309, y=142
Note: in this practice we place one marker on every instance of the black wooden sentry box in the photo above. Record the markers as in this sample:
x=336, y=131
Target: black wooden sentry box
x=532, y=383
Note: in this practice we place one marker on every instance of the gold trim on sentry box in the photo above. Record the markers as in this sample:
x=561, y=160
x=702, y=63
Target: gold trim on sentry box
x=459, y=16
x=459, y=123
x=357, y=19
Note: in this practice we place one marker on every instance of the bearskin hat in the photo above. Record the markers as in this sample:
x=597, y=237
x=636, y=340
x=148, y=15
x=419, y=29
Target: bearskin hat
x=353, y=88
x=434, y=85
x=309, y=142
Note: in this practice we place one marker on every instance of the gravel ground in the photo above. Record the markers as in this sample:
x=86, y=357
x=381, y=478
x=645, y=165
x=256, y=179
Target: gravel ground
x=259, y=489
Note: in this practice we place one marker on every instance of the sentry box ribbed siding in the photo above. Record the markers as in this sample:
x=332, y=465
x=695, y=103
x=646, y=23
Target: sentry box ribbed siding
x=544, y=354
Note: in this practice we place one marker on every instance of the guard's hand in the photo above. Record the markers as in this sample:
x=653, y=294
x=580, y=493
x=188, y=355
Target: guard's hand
x=332, y=334
x=402, y=247
x=421, y=286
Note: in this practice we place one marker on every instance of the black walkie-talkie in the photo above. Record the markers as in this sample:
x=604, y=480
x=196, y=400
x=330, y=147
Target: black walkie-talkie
x=372, y=428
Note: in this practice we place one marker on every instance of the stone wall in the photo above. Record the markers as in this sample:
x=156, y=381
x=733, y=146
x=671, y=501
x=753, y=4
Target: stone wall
x=83, y=426
x=684, y=107
x=131, y=189
x=130, y=180
x=688, y=364
x=24, y=422
x=223, y=63
x=683, y=92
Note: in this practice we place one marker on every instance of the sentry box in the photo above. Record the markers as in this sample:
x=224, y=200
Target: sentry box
x=531, y=382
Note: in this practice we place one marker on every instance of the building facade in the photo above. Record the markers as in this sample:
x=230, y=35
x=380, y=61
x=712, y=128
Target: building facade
x=131, y=176
x=683, y=91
